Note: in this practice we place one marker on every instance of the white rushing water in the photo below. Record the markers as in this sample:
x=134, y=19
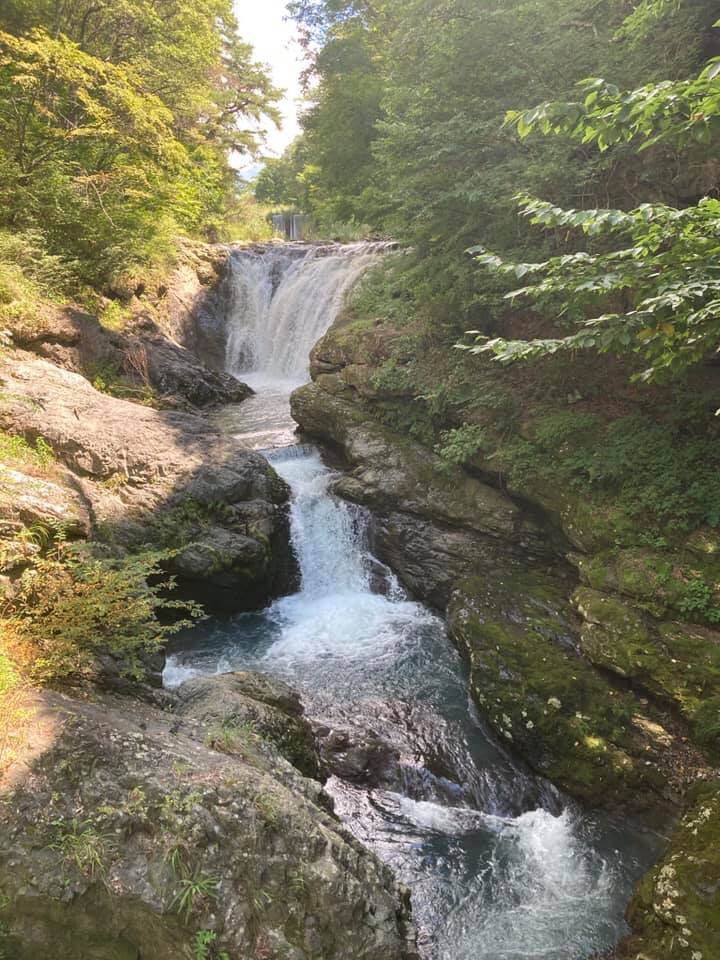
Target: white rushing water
x=284, y=298
x=500, y=867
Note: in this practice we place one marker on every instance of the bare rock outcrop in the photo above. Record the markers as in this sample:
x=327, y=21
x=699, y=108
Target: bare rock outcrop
x=126, y=835
x=164, y=478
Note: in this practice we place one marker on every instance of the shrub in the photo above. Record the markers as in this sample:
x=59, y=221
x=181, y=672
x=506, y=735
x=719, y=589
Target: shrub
x=460, y=445
x=698, y=600
x=17, y=449
x=68, y=608
x=27, y=266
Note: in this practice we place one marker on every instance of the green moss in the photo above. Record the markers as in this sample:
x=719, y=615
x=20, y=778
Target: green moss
x=677, y=662
x=540, y=698
x=676, y=909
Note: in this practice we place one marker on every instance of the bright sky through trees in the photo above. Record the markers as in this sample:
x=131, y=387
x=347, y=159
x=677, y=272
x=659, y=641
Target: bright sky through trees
x=263, y=24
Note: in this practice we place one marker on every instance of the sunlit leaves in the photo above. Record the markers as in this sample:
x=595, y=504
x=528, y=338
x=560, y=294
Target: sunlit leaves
x=118, y=121
x=678, y=112
x=669, y=273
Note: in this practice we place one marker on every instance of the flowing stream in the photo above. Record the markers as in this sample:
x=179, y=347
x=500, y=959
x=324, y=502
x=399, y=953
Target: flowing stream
x=501, y=866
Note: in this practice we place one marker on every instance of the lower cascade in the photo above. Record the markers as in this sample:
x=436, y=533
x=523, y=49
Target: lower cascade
x=499, y=864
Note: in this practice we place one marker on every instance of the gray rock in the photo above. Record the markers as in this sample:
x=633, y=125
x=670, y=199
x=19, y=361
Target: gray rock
x=140, y=476
x=122, y=836
x=30, y=500
x=252, y=701
x=174, y=370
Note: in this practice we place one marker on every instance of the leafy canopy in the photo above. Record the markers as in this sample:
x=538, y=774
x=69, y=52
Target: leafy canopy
x=657, y=267
x=118, y=121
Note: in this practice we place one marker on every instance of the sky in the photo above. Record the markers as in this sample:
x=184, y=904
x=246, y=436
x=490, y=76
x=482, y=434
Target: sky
x=262, y=23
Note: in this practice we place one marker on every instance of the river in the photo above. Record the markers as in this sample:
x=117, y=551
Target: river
x=500, y=865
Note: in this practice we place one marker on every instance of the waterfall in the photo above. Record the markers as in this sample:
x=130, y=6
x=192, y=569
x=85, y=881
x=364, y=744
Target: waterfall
x=283, y=298
x=493, y=876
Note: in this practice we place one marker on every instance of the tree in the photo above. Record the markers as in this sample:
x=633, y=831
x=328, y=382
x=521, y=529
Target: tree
x=663, y=283
x=117, y=122
x=406, y=132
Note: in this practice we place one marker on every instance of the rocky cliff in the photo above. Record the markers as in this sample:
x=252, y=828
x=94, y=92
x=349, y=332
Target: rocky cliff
x=134, y=830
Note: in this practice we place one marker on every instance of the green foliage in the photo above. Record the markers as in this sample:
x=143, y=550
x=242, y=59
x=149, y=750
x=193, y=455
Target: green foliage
x=424, y=156
x=698, y=600
x=666, y=274
x=16, y=449
x=192, y=892
x=27, y=252
x=113, y=316
x=117, y=122
x=338, y=231
x=653, y=471
x=205, y=946
x=68, y=608
x=657, y=264
x=463, y=443
x=82, y=846
x=678, y=111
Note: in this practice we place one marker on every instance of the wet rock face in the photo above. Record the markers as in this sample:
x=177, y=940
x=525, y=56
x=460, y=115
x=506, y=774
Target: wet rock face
x=398, y=745
x=129, y=836
x=134, y=476
x=433, y=522
x=598, y=743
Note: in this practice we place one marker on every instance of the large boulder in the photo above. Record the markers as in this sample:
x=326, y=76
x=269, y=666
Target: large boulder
x=157, y=478
x=237, y=702
x=125, y=835
x=141, y=356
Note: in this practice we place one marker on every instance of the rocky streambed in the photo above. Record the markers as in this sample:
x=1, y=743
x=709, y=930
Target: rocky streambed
x=141, y=822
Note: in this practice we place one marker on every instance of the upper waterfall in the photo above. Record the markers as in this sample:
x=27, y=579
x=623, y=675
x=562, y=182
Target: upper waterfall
x=283, y=298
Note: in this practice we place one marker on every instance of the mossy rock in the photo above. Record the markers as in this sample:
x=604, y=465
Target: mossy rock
x=661, y=580
x=544, y=700
x=676, y=909
x=676, y=662
x=614, y=635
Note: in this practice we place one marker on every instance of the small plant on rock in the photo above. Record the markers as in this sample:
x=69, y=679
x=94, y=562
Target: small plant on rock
x=205, y=946
x=192, y=891
x=83, y=846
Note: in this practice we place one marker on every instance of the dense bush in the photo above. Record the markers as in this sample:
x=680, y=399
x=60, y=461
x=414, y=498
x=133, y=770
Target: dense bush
x=68, y=608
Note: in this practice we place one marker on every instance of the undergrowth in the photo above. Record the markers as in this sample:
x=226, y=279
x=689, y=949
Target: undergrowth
x=17, y=450
x=68, y=607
